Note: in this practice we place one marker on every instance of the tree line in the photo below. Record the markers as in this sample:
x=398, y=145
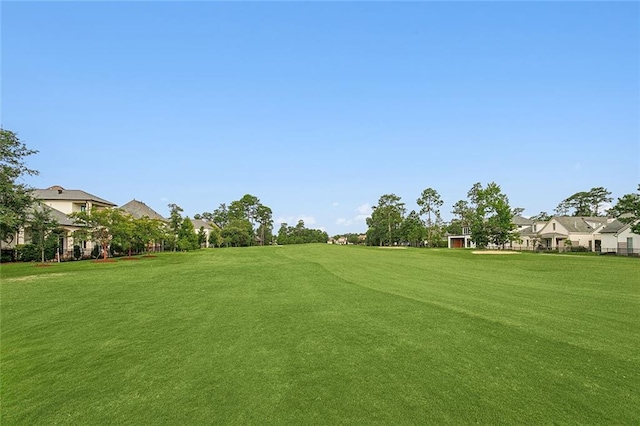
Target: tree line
x=486, y=215
x=300, y=234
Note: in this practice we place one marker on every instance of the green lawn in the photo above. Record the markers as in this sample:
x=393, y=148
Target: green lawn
x=322, y=334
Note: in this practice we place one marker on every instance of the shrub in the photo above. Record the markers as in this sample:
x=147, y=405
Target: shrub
x=27, y=252
x=579, y=249
x=6, y=256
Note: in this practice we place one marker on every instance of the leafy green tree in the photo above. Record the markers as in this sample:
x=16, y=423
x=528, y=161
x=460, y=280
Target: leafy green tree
x=215, y=236
x=413, y=230
x=264, y=216
x=353, y=238
x=175, y=220
x=187, y=237
x=238, y=233
x=202, y=237
x=597, y=197
x=52, y=243
x=541, y=217
x=300, y=234
x=627, y=210
x=430, y=203
x=40, y=224
x=126, y=237
x=220, y=216
x=584, y=203
x=463, y=212
x=15, y=197
x=627, y=205
x=454, y=227
x=500, y=224
x=99, y=226
x=149, y=231
x=491, y=215
x=283, y=236
x=385, y=220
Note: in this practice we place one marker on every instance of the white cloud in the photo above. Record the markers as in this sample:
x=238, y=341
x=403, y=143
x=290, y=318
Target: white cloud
x=363, y=212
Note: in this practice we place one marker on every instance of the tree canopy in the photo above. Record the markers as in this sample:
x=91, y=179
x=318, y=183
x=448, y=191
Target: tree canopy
x=300, y=234
x=584, y=203
x=15, y=196
x=385, y=220
x=490, y=215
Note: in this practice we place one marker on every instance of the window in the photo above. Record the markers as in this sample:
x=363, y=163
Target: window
x=466, y=231
x=534, y=228
x=83, y=207
x=554, y=226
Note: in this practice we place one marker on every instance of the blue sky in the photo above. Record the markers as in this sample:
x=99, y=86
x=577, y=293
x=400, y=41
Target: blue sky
x=320, y=108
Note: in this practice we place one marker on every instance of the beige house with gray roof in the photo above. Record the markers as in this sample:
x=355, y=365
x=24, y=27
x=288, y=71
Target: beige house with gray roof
x=563, y=231
x=62, y=202
x=70, y=201
x=616, y=237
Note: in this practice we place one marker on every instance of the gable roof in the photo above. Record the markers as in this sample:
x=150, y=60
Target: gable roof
x=60, y=218
x=59, y=193
x=138, y=209
x=580, y=223
x=613, y=227
x=199, y=223
x=521, y=221
x=527, y=231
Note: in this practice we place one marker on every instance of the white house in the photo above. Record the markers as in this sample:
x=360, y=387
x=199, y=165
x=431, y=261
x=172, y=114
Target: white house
x=563, y=231
x=616, y=237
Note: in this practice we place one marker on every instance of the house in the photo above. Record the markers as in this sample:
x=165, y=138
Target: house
x=616, y=237
x=205, y=226
x=61, y=203
x=461, y=241
x=572, y=231
x=521, y=222
x=529, y=237
x=70, y=201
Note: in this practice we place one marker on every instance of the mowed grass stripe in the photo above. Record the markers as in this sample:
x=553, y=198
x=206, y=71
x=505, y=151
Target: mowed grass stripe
x=604, y=296
x=316, y=334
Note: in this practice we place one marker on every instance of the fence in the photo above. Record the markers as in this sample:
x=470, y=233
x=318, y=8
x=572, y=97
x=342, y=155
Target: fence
x=616, y=251
x=620, y=251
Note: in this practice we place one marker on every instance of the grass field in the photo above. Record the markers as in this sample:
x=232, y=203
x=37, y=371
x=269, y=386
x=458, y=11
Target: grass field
x=322, y=334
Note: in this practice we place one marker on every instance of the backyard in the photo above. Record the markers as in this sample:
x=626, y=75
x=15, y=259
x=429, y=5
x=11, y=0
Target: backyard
x=322, y=334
